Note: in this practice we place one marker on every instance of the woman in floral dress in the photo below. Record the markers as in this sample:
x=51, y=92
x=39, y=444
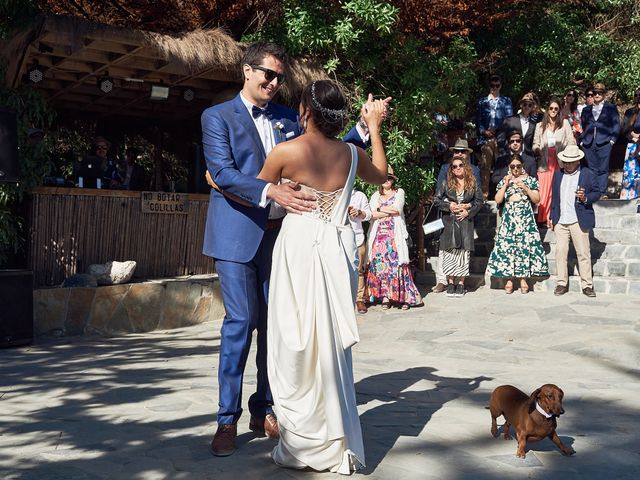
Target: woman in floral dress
x=389, y=275
x=518, y=251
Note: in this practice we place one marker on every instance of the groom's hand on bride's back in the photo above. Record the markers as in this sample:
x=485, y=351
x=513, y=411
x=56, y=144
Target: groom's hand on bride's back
x=289, y=196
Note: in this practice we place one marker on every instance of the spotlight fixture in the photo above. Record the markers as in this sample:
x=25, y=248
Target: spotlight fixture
x=35, y=73
x=159, y=92
x=105, y=83
x=188, y=94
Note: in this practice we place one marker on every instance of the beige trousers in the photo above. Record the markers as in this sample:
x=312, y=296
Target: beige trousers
x=362, y=272
x=580, y=239
x=488, y=154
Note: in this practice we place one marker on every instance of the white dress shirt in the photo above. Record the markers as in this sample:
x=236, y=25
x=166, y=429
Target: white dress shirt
x=265, y=132
x=359, y=201
x=568, y=189
x=524, y=124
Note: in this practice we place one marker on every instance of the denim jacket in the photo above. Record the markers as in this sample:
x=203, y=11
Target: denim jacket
x=504, y=109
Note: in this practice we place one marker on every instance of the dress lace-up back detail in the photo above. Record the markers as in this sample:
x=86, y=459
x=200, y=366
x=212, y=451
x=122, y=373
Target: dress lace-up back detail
x=326, y=202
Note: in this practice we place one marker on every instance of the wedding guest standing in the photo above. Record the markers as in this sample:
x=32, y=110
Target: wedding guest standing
x=524, y=122
x=360, y=211
x=600, y=129
x=461, y=198
x=491, y=112
x=552, y=135
x=518, y=252
x=630, y=131
x=575, y=188
x=570, y=112
x=389, y=276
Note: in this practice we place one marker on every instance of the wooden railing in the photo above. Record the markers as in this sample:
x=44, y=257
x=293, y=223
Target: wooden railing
x=71, y=228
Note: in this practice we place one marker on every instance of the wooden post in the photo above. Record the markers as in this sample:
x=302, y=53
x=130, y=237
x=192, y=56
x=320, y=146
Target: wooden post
x=420, y=242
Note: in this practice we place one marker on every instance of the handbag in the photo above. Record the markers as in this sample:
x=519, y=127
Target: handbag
x=433, y=226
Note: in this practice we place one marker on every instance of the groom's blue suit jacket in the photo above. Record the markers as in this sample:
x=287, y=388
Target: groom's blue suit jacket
x=235, y=155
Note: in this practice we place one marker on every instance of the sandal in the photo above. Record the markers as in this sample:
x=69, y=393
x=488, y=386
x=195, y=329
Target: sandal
x=385, y=305
x=524, y=288
x=405, y=306
x=508, y=287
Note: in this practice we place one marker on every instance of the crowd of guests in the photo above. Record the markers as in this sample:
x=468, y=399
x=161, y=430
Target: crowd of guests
x=546, y=166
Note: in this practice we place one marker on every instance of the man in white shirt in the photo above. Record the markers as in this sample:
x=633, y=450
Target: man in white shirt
x=359, y=211
x=574, y=189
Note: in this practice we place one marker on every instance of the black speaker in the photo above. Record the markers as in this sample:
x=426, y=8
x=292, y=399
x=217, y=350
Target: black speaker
x=8, y=147
x=16, y=307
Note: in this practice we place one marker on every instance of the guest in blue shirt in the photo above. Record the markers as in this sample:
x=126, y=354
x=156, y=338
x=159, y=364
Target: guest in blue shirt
x=491, y=113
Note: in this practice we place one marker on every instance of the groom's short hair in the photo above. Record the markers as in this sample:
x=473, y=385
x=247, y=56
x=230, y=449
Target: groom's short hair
x=256, y=52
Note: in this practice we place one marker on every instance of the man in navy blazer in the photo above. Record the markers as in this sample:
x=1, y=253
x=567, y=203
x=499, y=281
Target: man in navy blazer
x=573, y=191
x=243, y=221
x=600, y=130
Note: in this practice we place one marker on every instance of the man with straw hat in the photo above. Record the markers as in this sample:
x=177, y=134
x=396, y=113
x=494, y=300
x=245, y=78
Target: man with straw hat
x=574, y=189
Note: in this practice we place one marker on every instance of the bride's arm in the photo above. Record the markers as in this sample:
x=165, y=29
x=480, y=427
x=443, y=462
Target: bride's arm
x=287, y=194
x=373, y=170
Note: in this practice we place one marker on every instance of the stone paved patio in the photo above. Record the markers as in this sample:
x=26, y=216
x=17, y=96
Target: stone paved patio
x=142, y=406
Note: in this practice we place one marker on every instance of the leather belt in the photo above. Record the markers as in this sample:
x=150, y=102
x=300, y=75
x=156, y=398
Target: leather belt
x=274, y=223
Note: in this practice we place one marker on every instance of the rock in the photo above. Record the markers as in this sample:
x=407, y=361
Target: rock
x=112, y=273
x=80, y=280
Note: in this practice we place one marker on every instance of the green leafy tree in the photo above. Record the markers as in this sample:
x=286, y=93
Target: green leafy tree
x=359, y=44
x=31, y=111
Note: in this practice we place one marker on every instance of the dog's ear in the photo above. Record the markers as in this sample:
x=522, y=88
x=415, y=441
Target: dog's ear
x=533, y=398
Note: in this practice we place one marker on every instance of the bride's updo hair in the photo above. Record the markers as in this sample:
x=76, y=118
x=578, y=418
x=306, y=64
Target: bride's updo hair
x=328, y=106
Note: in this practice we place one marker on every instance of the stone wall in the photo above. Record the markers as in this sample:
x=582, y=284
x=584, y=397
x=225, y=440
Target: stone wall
x=133, y=307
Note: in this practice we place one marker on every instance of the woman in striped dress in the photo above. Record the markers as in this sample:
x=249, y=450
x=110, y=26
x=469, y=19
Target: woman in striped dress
x=460, y=199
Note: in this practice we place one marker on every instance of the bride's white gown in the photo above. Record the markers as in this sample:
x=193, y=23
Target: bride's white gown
x=311, y=328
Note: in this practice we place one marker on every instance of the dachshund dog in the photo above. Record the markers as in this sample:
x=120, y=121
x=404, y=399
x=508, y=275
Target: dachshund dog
x=533, y=416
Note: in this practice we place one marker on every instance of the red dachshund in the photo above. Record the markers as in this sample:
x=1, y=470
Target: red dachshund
x=533, y=416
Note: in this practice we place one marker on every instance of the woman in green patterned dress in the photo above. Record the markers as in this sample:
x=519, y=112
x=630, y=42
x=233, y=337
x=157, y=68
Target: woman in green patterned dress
x=518, y=251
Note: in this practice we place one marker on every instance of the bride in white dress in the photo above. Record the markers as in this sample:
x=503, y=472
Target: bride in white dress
x=311, y=319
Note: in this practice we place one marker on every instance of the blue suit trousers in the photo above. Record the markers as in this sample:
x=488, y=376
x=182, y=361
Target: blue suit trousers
x=245, y=290
x=598, y=160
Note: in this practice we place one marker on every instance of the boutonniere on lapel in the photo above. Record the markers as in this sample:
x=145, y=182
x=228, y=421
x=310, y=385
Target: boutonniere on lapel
x=279, y=127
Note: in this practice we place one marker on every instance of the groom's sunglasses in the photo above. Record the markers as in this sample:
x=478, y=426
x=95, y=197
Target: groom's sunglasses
x=269, y=74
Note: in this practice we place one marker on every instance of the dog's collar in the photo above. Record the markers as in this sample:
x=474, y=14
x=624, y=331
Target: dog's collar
x=541, y=410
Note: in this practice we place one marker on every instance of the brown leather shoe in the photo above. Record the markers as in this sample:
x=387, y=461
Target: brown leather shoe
x=439, y=288
x=361, y=307
x=224, y=441
x=588, y=291
x=267, y=426
x=560, y=290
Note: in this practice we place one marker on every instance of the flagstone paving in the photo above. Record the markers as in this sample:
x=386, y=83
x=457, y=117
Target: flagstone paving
x=142, y=406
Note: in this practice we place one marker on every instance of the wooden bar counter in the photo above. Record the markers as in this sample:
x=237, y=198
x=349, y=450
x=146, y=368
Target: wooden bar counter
x=72, y=228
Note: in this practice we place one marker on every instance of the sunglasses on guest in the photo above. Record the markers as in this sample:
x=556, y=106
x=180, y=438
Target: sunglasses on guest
x=269, y=74
x=457, y=165
x=553, y=109
x=102, y=147
x=515, y=166
x=589, y=94
x=598, y=92
x=527, y=104
x=515, y=140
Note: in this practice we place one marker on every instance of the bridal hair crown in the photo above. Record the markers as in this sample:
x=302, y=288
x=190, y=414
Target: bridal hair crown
x=329, y=114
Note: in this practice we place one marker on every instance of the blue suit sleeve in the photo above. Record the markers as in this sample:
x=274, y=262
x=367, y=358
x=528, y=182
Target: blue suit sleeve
x=222, y=167
x=592, y=189
x=616, y=123
x=354, y=137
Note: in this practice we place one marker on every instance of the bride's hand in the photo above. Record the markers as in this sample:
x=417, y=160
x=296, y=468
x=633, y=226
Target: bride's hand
x=374, y=111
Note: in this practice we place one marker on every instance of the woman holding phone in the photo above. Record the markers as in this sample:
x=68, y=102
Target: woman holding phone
x=518, y=251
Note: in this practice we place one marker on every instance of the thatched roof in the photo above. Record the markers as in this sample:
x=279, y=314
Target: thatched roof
x=75, y=54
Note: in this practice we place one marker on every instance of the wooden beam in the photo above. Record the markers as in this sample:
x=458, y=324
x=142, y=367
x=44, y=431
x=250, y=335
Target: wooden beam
x=99, y=70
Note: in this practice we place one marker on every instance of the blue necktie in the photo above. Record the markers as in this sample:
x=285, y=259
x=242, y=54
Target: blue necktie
x=257, y=111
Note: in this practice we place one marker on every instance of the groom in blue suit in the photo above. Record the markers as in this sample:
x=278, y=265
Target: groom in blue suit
x=242, y=225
